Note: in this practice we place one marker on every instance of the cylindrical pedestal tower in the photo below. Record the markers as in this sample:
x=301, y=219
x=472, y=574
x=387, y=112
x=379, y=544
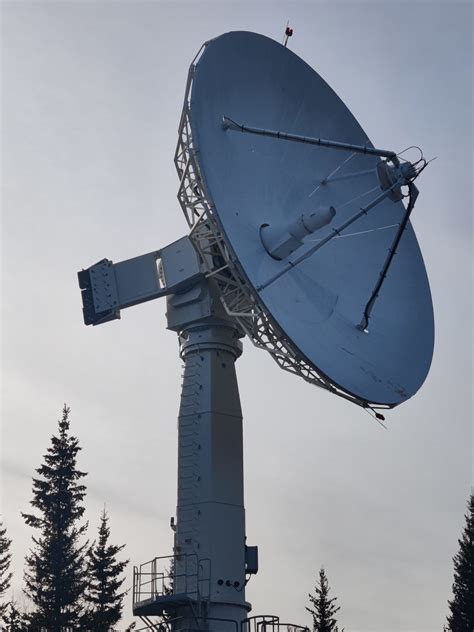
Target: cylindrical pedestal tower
x=210, y=527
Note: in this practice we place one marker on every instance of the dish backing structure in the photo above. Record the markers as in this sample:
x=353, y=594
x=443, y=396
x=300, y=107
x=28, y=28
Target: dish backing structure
x=299, y=239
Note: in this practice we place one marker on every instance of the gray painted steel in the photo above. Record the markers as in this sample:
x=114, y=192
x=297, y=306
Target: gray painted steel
x=210, y=509
x=253, y=180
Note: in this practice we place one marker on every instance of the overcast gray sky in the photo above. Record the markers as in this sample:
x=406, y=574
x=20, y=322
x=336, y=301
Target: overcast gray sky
x=92, y=94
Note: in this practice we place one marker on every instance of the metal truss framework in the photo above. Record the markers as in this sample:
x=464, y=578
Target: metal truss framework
x=239, y=299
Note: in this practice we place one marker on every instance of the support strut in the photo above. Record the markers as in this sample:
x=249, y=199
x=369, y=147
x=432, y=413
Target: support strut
x=228, y=123
x=335, y=233
x=413, y=193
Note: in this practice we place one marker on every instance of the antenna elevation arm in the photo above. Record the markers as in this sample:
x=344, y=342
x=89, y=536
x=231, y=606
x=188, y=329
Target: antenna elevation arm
x=108, y=287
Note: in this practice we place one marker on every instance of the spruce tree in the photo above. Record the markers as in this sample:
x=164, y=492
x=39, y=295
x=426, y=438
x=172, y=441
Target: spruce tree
x=55, y=568
x=461, y=618
x=103, y=596
x=5, y=560
x=323, y=607
x=13, y=620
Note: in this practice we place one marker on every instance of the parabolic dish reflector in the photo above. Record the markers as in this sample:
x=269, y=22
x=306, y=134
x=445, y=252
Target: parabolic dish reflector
x=234, y=183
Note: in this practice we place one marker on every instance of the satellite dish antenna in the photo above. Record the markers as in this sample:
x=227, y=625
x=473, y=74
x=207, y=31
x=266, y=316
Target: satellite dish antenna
x=306, y=225
x=298, y=238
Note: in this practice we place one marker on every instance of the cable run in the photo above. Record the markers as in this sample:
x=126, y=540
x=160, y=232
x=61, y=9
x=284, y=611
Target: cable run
x=324, y=180
x=357, y=197
x=360, y=232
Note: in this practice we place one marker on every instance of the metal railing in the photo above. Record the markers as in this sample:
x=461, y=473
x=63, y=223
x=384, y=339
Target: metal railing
x=160, y=626
x=172, y=574
x=269, y=623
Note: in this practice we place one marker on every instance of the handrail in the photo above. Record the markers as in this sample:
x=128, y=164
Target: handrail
x=172, y=574
x=269, y=623
x=255, y=623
